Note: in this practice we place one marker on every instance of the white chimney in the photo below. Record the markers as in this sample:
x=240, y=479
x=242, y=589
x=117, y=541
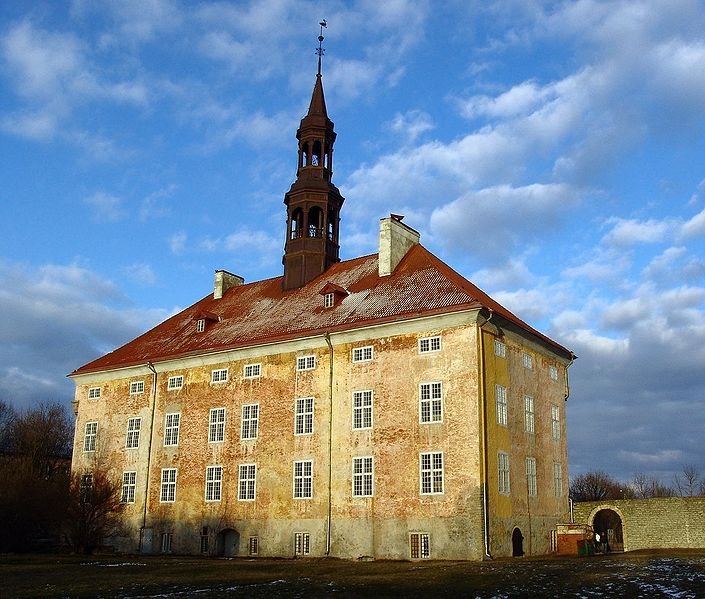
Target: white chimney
x=224, y=280
x=395, y=239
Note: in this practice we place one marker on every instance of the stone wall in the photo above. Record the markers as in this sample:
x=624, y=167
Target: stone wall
x=659, y=523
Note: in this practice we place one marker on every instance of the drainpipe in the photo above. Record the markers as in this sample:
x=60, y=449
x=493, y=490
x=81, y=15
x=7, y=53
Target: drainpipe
x=330, y=443
x=149, y=452
x=483, y=417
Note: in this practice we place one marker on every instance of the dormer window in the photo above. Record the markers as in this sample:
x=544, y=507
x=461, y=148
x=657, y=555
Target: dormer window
x=200, y=325
x=205, y=317
x=328, y=300
x=333, y=294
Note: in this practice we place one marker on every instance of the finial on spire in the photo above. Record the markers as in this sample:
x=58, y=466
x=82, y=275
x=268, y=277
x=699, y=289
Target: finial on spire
x=320, y=50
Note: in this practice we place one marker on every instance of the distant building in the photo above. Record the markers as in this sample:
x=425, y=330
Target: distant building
x=382, y=406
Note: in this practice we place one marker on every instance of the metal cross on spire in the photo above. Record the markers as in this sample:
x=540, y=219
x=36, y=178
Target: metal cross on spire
x=320, y=50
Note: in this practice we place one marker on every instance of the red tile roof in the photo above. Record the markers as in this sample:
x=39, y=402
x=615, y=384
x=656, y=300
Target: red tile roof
x=260, y=312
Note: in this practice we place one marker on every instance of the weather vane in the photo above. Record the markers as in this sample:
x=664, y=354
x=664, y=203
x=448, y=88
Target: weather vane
x=320, y=50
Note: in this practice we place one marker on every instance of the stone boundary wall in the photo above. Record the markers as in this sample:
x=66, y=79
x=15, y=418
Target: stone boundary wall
x=658, y=523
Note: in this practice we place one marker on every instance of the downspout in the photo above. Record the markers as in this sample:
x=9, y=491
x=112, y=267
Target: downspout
x=483, y=415
x=566, y=395
x=149, y=452
x=330, y=443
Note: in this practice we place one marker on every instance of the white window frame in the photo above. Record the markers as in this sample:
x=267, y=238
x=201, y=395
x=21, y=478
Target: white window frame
x=167, y=488
x=214, y=483
x=363, y=405
x=94, y=392
x=529, y=414
x=503, y=473
x=247, y=482
x=430, y=345
x=172, y=425
x=431, y=402
x=328, y=300
x=431, y=473
x=136, y=387
x=249, y=422
x=305, y=363
x=132, y=438
x=174, y=383
x=531, y=481
x=557, y=479
x=363, y=469
x=200, y=325
x=363, y=354
x=555, y=422
x=90, y=436
x=129, y=484
x=500, y=348
x=303, y=415
x=219, y=376
x=501, y=406
x=253, y=545
x=553, y=372
x=303, y=479
x=302, y=543
x=419, y=545
x=252, y=371
x=527, y=360
x=216, y=425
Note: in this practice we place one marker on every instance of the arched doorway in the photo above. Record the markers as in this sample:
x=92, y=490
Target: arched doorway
x=608, y=522
x=517, y=543
x=228, y=543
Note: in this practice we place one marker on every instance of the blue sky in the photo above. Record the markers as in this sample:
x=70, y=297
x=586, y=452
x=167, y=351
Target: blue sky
x=551, y=152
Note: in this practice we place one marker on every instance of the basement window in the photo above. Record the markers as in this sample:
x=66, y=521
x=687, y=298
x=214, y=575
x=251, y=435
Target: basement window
x=254, y=545
x=419, y=545
x=302, y=543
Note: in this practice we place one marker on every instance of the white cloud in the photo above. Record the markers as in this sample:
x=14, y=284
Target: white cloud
x=155, y=204
x=106, y=208
x=177, y=242
x=411, y=124
x=627, y=232
x=141, y=273
x=695, y=227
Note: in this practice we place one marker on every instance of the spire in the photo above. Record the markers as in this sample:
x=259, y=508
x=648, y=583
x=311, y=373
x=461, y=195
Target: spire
x=320, y=51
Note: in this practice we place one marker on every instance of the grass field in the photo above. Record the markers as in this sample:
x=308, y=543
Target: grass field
x=674, y=574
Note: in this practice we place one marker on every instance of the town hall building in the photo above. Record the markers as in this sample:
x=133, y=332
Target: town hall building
x=379, y=407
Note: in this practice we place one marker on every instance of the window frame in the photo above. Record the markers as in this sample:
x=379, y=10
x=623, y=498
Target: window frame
x=428, y=476
x=167, y=487
x=94, y=392
x=129, y=486
x=253, y=545
x=213, y=491
x=363, y=476
x=501, y=404
x=166, y=541
x=303, y=481
x=328, y=300
x=557, y=479
x=364, y=412
x=500, y=348
x=531, y=478
x=419, y=545
x=136, y=387
x=527, y=360
x=303, y=418
x=172, y=385
x=529, y=414
x=307, y=362
x=430, y=342
x=132, y=437
x=504, y=481
x=172, y=431
x=216, y=425
x=555, y=422
x=553, y=372
x=249, y=421
x=431, y=407
x=360, y=354
x=200, y=325
x=90, y=437
x=247, y=482
x=257, y=366
x=302, y=543
x=219, y=376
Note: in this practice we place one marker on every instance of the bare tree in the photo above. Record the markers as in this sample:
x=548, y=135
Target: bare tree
x=597, y=485
x=645, y=486
x=689, y=482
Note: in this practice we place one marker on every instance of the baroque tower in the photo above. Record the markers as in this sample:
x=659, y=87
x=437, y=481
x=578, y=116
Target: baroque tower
x=313, y=203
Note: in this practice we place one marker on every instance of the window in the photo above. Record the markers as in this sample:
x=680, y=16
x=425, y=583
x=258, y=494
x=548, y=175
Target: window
x=166, y=540
x=432, y=473
x=250, y=421
x=167, y=492
x=136, y=387
x=528, y=414
x=328, y=300
x=362, y=477
x=553, y=373
x=253, y=545
x=247, y=482
x=362, y=354
x=362, y=409
x=89, y=437
x=219, y=376
x=303, y=479
x=129, y=482
x=94, y=393
x=303, y=424
x=132, y=441
x=171, y=429
x=86, y=488
x=429, y=344
x=531, y=476
x=503, y=472
x=306, y=363
x=216, y=425
x=500, y=394
x=431, y=402
x=252, y=371
x=420, y=545
x=204, y=539
x=500, y=348
x=302, y=543
x=557, y=480
x=214, y=483
x=175, y=382
x=200, y=325
x=527, y=360
x=555, y=423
